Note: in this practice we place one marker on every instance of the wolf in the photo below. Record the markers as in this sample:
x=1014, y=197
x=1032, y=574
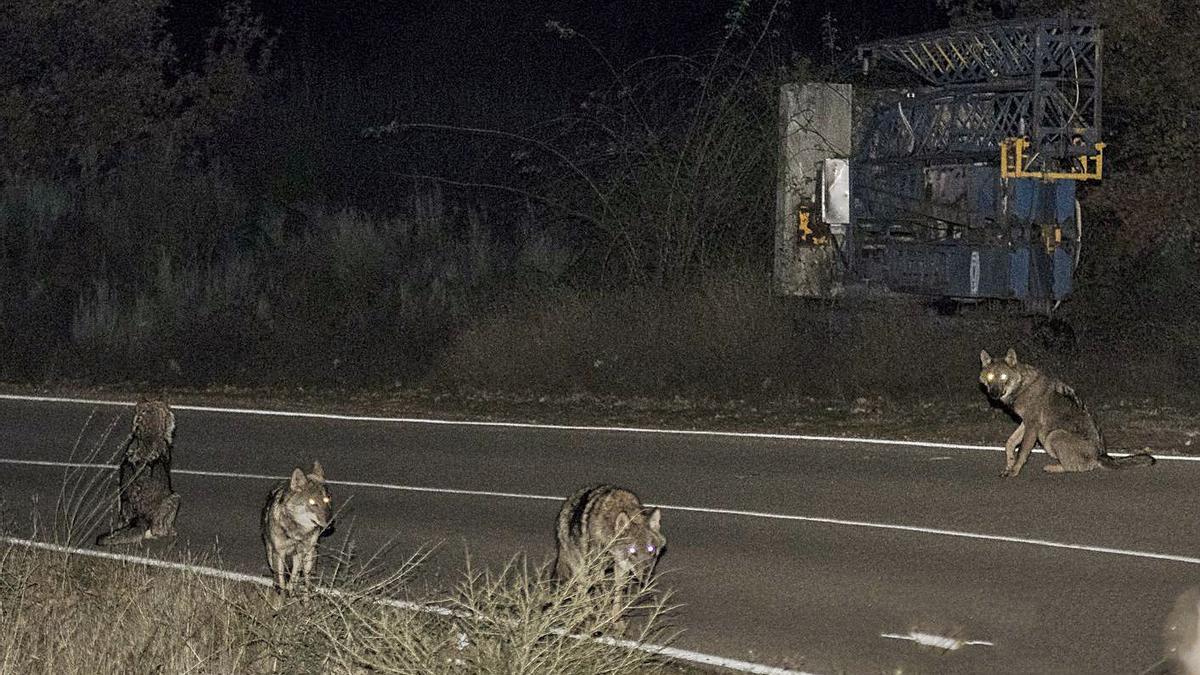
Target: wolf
x=298, y=510
x=1052, y=414
x=148, y=503
x=153, y=433
x=608, y=523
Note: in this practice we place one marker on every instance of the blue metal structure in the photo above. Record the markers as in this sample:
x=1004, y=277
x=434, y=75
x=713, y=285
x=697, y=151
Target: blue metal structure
x=962, y=183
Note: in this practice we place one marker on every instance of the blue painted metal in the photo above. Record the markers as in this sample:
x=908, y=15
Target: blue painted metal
x=1064, y=269
x=1018, y=273
x=930, y=213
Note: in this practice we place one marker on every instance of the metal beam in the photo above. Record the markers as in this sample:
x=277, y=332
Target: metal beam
x=1019, y=49
x=968, y=124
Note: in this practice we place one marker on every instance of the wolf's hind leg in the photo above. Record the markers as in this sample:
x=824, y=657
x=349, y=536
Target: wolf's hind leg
x=162, y=523
x=129, y=534
x=1074, y=453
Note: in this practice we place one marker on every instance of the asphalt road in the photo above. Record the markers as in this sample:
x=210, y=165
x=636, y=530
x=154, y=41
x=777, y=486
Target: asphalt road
x=807, y=574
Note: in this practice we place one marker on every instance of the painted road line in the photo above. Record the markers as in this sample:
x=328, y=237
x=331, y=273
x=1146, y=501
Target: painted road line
x=865, y=524
x=558, y=427
x=659, y=650
x=936, y=641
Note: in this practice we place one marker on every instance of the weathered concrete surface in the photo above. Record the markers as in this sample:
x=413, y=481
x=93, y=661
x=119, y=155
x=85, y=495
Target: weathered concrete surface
x=814, y=124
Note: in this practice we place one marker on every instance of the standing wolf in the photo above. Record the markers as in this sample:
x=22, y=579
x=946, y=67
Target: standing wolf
x=297, y=512
x=608, y=523
x=148, y=504
x=1052, y=414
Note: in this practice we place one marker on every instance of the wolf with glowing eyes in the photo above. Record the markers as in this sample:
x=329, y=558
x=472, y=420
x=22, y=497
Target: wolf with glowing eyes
x=298, y=511
x=1052, y=414
x=609, y=524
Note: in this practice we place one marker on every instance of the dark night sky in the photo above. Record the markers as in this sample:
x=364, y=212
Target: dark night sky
x=445, y=48
x=492, y=63
x=434, y=34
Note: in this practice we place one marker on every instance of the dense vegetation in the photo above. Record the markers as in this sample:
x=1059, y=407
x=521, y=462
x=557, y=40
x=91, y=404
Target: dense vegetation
x=222, y=209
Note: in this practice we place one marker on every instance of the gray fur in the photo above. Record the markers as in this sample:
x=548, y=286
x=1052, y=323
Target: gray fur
x=148, y=504
x=298, y=510
x=1052, y=414
x=608, y=523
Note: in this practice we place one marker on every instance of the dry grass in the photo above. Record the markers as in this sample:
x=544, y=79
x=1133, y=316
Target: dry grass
x=514, y=620
x=728, y=339
x=179, y=281
x=69, y=614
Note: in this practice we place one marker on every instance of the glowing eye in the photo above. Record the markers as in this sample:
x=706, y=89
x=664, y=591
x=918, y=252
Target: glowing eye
x=312, y=502
x=632, y=550
x=327, y=500
x=650, y=548
x=1003, y=376
x=991, y=376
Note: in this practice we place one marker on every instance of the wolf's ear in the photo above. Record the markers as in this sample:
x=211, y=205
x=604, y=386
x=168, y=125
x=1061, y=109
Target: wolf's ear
x=654, y=520
x=317, y=473
x=985, y=358
x=1011, y=357
x=622, y=521
x=299, y=480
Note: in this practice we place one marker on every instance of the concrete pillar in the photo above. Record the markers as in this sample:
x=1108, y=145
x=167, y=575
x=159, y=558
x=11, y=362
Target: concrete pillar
x=814, y=125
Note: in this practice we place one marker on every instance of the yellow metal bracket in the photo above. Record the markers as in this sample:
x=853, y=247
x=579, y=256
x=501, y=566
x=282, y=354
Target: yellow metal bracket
x=804, y=227
x=1051, y=237
x=1015, y=164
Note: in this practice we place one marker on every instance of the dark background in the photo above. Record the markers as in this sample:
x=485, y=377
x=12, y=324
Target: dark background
x=533, y=221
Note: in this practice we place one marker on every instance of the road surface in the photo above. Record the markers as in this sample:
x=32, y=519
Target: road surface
x=787, y=552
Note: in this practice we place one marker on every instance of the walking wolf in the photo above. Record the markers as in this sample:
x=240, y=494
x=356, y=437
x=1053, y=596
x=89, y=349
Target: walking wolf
x=148, y=504
x=1051, y=414
x=609, y=524
x=298, y=510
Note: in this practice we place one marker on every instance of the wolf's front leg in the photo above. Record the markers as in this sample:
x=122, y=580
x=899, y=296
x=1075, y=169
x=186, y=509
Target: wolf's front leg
x=278, y=562
x=309, y=556
x=1010, y=455
x=1027, y=443
x=621, y=579
x=295, y=568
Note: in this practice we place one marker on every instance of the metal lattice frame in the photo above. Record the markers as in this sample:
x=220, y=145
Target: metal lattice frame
x=1037, y=78
x=1017, y=49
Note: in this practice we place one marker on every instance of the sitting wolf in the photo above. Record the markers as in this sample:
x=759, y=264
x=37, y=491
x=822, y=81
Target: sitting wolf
x=609, y=523
x=1052, y=414
x=148, y=504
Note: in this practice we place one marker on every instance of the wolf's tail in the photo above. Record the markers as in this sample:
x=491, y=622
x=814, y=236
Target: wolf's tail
x=1143, y=458
x=123, y=535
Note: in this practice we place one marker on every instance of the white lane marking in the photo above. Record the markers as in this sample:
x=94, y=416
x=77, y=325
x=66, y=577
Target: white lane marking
x=557, y=427
x=379, y=486
x=961, y=534
x=939, y=532
x=669, y=652
x=934, y=640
